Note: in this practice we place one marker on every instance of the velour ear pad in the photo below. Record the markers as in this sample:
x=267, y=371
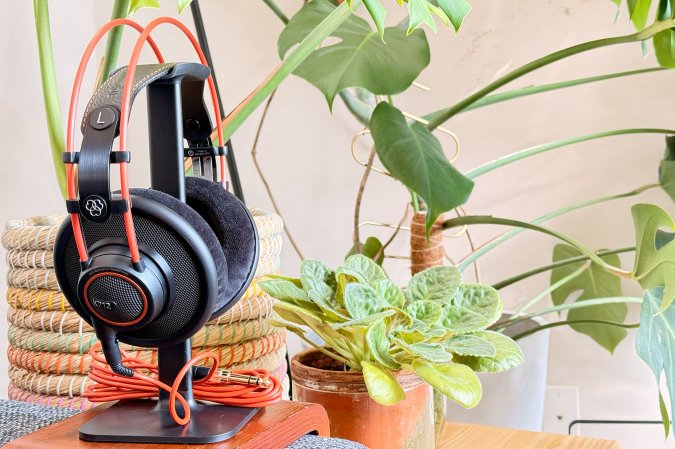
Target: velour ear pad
x=235, y=229
x=199, y=224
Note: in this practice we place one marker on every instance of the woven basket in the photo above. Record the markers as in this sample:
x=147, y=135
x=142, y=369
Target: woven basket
x=49, y=343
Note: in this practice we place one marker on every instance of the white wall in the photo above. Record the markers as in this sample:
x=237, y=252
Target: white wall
x=304, y=149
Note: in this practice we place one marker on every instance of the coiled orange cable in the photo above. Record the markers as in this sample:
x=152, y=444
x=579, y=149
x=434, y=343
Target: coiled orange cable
x=113, y=387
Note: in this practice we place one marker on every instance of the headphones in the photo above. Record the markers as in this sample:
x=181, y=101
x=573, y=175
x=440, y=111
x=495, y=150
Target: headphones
x=143, y=266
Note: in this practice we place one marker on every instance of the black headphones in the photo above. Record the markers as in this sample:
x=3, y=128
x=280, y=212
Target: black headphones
x=151, y=268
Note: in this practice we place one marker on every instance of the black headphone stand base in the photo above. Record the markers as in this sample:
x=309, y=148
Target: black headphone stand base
x=143, y=421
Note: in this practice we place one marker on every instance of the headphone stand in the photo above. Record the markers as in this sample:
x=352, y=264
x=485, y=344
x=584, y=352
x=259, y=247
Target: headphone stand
x=148, y=421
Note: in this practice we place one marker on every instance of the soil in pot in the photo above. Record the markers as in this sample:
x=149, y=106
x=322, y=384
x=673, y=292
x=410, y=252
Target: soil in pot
x=354, y=415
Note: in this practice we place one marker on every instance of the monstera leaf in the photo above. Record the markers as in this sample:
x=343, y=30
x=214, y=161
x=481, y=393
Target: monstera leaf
x=654, y=253
x=414, y=156
x=594, y=282
x=655, y=344
x=361, y=58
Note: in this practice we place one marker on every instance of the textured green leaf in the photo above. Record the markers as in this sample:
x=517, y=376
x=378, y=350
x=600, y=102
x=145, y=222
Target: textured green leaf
x=401, y=320
x=667, y=168
x=481, y=299
x=377, y=12
x=414, y=156
x=381, y=384
x=362, y=301
x=456, y=10
x=654, y=266
x=438, y=284
x=284, y=290
x=371, y=248
x=364, y=321
x=595, y=282
x=508, y=354
x=135, y=5
x=295, y=314
x=428, y=312
x=294, y=281
x=390, y=293
x=432, y=352
x=182, y=4
x=379, y=344
x=655, y=342
x=455, y=381
x=359, y=58
x=419, y=14
x=363, y=269
x=318, y=270
x=471, y=345
x=461, y=320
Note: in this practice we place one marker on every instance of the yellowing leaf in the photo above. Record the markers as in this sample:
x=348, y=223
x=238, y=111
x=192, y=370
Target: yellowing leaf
x=382, y=385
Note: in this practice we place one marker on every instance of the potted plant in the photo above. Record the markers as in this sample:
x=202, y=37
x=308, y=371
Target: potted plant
x=385, y=346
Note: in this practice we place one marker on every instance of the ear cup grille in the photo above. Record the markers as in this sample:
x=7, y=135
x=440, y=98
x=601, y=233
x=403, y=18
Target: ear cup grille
x=188, y=308
x=115, y=299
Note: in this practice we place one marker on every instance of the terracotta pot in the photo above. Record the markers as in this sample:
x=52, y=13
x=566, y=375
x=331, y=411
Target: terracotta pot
x=354, y=415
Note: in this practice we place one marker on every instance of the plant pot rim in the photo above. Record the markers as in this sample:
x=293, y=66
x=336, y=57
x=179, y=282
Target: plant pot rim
x=342, y=381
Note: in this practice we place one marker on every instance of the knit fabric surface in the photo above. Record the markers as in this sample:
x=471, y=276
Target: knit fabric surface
x=21, y=418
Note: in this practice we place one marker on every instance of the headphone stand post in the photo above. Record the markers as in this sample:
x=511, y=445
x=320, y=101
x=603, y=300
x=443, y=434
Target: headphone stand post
x=146, y=421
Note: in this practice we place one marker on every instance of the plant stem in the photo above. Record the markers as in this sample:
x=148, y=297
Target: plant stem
x=644, y=34
x=277, y=10
x=550, y=289
x=507, y=235
x=488, y=219
x=112, y=46
x=380, y=252
x=517, y=156
x=268, y=189
x=578, y=305
x=235, y=119
x=359, y=197
x=560, y=263
x=532, y=90
x=49, y=90
x=570, y=322
x=324, y=350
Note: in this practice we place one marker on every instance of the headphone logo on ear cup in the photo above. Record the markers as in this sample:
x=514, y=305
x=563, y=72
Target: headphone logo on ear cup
x=95, y=207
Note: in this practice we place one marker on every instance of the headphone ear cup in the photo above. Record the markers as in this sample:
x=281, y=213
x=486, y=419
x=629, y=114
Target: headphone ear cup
x=235, y=230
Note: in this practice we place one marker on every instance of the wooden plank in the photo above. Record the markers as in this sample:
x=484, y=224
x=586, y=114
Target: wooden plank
x=465, y=436
x=274, y=427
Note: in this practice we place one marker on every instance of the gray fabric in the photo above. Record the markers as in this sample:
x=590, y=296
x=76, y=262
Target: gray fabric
x=20, y=418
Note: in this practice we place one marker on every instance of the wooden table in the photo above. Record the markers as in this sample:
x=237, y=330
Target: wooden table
x=471, y=436
x=273, y=427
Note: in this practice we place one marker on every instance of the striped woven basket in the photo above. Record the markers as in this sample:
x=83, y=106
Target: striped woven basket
x=48, y=342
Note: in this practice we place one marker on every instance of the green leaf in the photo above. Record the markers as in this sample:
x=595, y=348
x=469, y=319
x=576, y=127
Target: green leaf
x=638, y=11
x=381, y=384
x=433, y=352
x=654, y=266
x=287, y=325
x=594, y=282
x=379, y=345
x=667, y=168
x=508, y=354
x=364, y=321
x=461, y=320
x=481, y=299
x=428, y=312
x=362, y=301
x=414, y=156
x=377, y=12
x=390, y=293
x=456, y=10
x=438, y=284
x=294, y=281
x=295, y=314
x=655, y=342
x=664, y=41
x=135, y=5
x=318, y=280
x=372, y=248
x=283, y=290
x=182, y=4
x=362, y=268
x=318, y=270
x=419, y=14
x=455, y=381
x=438, y=12
x=471, y=345
x=359, y=58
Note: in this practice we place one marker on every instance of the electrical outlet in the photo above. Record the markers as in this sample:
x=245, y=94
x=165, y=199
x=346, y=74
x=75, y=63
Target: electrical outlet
x=561, y=407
